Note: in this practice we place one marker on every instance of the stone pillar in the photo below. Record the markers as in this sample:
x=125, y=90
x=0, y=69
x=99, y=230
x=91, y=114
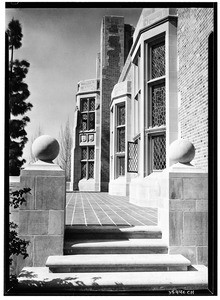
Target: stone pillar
x=42, y=217
x=188, y=212
x=183, y=211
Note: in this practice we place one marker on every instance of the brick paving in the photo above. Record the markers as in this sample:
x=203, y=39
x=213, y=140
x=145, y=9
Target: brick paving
x=104, y=209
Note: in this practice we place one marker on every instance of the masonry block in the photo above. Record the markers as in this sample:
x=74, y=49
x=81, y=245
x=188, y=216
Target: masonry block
x=176, y=188
x=188, y=205
x=49, y=192
x=202, y=205
x=176, y=228
x=195, y=188
x=33, y=222
x=45, y=246
x=195, y=239
x=195, y=223
x=56, y=222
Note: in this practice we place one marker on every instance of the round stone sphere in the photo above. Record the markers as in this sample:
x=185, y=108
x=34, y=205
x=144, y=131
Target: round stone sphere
x=45, y=148
x=182, y=151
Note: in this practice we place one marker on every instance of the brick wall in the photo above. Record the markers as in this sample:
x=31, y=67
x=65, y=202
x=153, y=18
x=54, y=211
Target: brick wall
x=194, y=27
x=128, y=40
x=112, y=61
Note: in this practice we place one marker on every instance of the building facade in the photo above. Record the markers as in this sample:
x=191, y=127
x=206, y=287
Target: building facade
x=159, y=110
x=90, y=154
x=162, y=95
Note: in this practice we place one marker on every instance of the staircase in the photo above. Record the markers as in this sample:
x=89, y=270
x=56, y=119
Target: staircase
x=110, y=258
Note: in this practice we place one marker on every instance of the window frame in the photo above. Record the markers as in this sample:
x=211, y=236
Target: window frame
x=87, y=161
x=153, y=131
x=119, y=154
x=88, y=113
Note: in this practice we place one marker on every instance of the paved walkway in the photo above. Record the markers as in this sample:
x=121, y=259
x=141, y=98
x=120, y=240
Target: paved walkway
x=104, y=209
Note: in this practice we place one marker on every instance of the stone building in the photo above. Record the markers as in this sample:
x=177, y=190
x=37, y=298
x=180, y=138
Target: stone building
x=161, y=95
x=90, y=156
x=152, y=88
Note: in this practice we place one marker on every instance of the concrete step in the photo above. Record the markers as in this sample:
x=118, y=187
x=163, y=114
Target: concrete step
x=117, y=263
x=136, y=246
x=79, y=232
x=37, y=279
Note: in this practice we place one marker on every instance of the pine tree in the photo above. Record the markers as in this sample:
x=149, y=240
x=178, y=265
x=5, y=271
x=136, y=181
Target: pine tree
x=18, y=94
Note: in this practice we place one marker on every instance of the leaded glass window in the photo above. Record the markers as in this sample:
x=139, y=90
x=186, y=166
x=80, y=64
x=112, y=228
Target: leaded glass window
x=91, y=121
x=91, y=152
x=92, y=104
x=84, y=122
x=158, y=60
x=84, y=104
x=91, y=170
x=87, y=108
x=121, y=115
x=159, y=152
x=87, y=162
x=133, y=157
x=158, y=105
x=121, y=165
x=84, y=153
x=120, y=140
x=83, y=169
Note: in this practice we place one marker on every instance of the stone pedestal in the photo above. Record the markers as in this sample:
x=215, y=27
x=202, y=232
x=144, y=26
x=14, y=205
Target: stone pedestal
x=188, y=212
x=42, y=217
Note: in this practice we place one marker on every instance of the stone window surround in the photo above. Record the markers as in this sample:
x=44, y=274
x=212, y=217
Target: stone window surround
x=168, y=30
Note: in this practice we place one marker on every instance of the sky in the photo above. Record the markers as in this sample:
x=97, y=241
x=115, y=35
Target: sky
x=61, y=46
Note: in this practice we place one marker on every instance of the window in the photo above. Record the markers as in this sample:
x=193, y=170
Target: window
x=120, y=145
x=87, y=109
x=87, y=162
x=156, y=105
x=137, y=92
x=157, y=60
x=133, y=157
x=158, y=152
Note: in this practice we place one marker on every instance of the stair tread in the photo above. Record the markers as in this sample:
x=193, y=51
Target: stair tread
x=111, y=228
x=118, y=243
x=195, y=279
x=105, y=260
x=82, y=232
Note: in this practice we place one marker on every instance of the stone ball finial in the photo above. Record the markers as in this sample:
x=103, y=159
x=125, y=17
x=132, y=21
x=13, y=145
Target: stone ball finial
x=45, y=148
x=182, y=151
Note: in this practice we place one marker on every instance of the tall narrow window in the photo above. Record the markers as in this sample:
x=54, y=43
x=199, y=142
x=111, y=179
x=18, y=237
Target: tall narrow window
x=158, y=60
x=87, y=109
x=158, y=152
x=137, y=92
x=120, y=145
x=157, y=105
x=87, y=162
